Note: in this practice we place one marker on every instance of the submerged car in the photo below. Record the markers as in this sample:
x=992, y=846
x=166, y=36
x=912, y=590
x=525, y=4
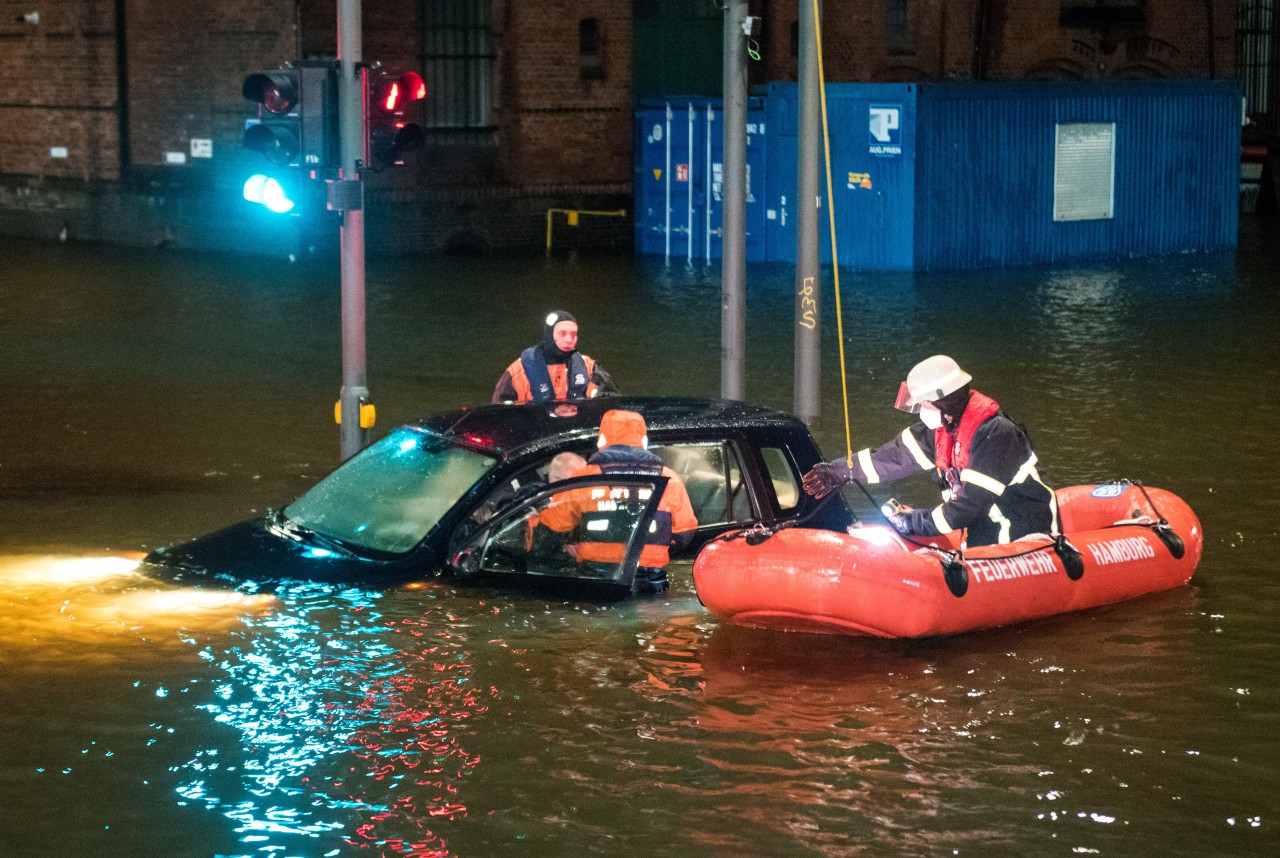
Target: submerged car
x=464, y=493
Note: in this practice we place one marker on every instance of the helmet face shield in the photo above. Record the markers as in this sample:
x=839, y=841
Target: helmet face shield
x=903, y=402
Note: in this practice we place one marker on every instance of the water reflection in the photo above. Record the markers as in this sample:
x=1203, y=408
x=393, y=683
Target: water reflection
x=61, y=610
x=349, y=724
x=797, y=736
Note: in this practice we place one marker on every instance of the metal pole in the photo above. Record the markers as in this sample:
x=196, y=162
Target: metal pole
x=351, y=144
x=689, y=193
x=706, y=214
x=808, y=372
x=734, y=199
x=666, y=172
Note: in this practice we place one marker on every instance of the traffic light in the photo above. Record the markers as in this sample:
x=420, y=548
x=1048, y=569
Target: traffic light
x=389, y=134
x=297, y=116
x=277, y=194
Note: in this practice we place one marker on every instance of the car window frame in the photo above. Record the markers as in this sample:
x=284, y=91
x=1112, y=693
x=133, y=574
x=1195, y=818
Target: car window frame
x=731, y=445
x=627, y=567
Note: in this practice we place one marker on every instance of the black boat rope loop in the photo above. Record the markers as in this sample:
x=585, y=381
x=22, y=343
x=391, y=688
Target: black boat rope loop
x=1159, y=525
x=1068, y=554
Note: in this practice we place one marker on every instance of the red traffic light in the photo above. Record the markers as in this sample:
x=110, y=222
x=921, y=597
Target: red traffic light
x=277, y=92
x=394, y=94
x=388, y=134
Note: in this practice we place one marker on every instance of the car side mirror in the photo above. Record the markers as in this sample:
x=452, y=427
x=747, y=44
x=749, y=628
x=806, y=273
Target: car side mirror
x=465, y=561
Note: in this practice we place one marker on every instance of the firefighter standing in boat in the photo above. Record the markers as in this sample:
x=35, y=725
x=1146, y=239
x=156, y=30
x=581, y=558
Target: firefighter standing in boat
x=980, y=457
x=553, y=368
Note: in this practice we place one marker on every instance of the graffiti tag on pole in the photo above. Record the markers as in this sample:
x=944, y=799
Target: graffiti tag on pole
x=808, y=304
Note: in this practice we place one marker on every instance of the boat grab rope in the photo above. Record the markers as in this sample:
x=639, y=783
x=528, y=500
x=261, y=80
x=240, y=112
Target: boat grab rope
x=1067, y=553
x=1160, y=526
x=760, y=531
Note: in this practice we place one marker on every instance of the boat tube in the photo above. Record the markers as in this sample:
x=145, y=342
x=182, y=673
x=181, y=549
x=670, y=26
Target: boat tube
x=1119, y=540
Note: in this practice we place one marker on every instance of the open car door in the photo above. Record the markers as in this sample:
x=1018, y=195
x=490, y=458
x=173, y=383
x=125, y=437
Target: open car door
x=588, y=528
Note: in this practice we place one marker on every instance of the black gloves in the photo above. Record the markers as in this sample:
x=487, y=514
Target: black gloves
x=917, y=522
x=824, y=478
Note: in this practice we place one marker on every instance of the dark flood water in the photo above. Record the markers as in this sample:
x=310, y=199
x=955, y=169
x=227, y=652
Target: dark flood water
x=155, y=396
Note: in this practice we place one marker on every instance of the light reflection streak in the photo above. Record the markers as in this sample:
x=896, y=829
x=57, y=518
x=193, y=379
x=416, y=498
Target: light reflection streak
x=349, y=726
x=44, y=571
x=53, y=603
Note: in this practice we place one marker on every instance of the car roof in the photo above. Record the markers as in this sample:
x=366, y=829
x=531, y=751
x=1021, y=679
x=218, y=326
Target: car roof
x=508, y=429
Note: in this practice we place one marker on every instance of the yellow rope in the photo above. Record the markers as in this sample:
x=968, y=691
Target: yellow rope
x=831, y=218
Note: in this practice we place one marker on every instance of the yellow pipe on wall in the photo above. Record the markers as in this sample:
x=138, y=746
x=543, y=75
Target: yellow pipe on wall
x=572, y=216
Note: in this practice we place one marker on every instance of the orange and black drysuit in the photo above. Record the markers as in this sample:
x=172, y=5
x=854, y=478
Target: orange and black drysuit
x=536, y=376
x=985, y=467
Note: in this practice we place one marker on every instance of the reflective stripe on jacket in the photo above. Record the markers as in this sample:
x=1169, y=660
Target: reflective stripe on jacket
x=987, y=471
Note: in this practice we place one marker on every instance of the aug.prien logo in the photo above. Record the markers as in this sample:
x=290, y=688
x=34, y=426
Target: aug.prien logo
x=883, y=124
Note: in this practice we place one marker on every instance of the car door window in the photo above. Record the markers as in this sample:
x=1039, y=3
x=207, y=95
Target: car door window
x=589, y=528
x=783, y=475
x=713, y=476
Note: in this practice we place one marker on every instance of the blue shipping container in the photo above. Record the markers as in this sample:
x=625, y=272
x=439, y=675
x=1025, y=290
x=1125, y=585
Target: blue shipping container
x=871, y=129
x=947, y=176
x=1028, y=173
x=679, y=152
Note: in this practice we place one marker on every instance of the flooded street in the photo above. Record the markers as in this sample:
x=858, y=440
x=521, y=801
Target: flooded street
x=155, y=396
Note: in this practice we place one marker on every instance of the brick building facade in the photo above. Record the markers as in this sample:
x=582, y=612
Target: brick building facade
x=120, y=120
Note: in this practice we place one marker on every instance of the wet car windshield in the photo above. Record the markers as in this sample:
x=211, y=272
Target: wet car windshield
x=389, y=496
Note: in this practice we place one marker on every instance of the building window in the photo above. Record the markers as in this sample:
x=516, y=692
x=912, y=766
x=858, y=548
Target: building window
x=590, y=51
x=1253, y=54
x=900, y=37
x=458, y=60
x=1084, y=171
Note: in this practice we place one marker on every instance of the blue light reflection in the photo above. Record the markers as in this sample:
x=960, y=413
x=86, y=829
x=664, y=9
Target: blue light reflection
x=349, y=726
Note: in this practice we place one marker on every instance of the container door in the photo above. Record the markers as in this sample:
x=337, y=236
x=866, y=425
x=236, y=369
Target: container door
x=671, y=178
x=873, y=175
x=756, y=175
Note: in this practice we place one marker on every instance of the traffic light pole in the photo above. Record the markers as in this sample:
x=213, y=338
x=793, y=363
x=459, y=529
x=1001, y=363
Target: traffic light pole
x=733, y=253
x=348, y=199
x=808, y=314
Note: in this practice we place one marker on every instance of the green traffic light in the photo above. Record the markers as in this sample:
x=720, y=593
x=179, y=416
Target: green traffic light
x=267, y=191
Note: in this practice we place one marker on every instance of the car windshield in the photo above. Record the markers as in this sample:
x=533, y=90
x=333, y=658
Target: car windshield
x=390, y=496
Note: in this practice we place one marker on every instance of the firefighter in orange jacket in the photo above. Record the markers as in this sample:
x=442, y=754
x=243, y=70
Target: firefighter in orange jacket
x=553, y=368
x=623, y=449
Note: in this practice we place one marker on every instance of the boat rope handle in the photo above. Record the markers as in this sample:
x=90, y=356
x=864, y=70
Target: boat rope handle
x=1159, y=515
x=761, y=531
x=831, y=219
x=1058, y=544
x=1161, y=526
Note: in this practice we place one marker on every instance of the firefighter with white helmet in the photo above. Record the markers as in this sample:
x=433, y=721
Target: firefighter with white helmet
x=981, y=459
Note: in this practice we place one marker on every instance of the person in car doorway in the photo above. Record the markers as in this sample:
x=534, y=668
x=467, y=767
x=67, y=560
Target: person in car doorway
x=981, y=459
x=553, y=368
x=623, y=449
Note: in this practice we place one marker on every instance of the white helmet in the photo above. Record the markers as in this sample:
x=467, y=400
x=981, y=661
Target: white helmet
x=929, y=381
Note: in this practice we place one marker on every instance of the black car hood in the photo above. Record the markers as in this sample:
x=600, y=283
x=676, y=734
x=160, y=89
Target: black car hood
x=255, y=551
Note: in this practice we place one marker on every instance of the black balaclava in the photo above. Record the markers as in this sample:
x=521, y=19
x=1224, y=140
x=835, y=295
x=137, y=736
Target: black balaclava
x=550, y=350
x=953, y=405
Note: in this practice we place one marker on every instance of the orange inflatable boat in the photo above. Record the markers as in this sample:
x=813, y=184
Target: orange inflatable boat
x=1120, y=540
